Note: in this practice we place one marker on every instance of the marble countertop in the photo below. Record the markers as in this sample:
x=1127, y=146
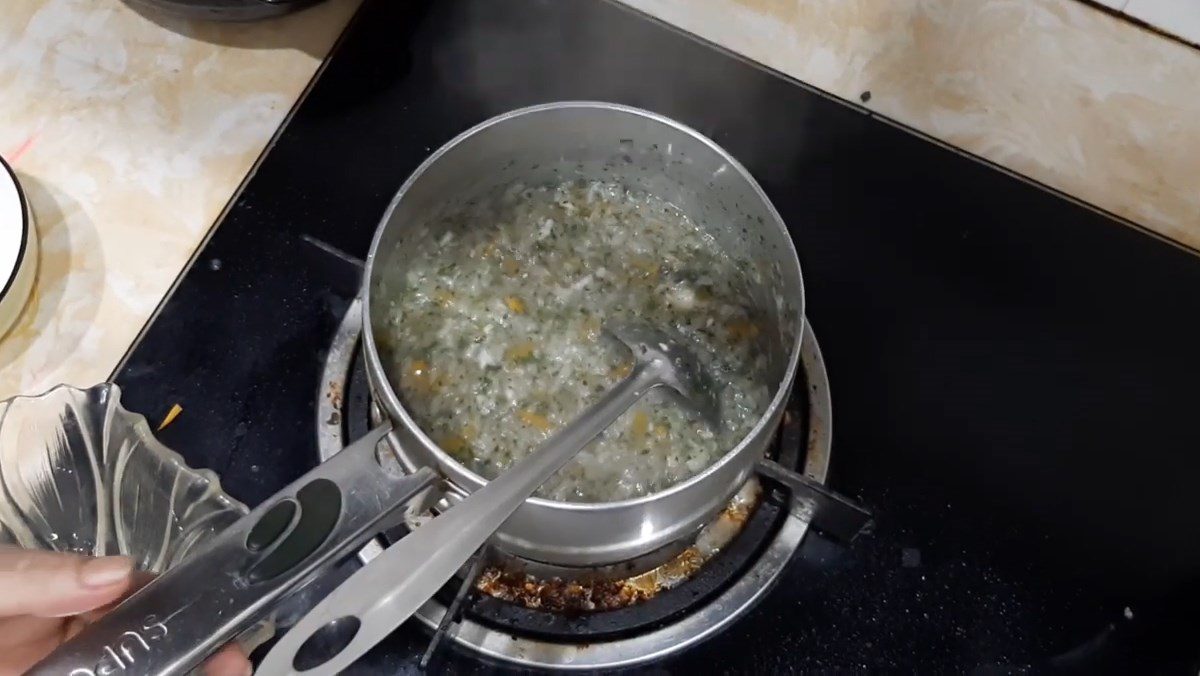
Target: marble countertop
x=130, y=133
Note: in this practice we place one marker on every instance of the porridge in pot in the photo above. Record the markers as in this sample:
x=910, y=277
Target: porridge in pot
x=497, y=339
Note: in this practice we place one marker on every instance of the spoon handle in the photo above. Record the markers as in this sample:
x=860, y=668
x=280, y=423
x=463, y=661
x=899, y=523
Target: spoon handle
x=382, y=595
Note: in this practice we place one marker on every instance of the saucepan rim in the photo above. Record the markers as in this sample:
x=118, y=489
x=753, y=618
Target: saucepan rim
x=394, y=407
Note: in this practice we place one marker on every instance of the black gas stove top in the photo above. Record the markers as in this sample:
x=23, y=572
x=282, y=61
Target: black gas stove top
x=1013, y=374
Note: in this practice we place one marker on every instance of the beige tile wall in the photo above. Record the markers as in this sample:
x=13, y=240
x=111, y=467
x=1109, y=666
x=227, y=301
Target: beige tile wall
x=1053, y=89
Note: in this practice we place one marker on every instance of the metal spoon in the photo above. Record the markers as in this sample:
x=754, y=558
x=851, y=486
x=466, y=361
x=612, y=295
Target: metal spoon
x=379, y=597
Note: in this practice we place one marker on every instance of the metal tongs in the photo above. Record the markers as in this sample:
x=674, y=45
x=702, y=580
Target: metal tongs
x=222, y=590
x=379, y=597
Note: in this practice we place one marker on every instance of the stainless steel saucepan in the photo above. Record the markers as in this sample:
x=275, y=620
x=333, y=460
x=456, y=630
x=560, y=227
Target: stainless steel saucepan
x=537, y=146
x=560, y=141
x=234, y=580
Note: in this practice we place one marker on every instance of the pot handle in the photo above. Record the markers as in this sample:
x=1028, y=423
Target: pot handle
x=188, y=612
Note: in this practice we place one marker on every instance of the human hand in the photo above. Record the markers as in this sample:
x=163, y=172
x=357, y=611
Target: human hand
x=46, y=598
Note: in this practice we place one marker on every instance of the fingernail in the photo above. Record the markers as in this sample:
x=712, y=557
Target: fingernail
x=105, y=571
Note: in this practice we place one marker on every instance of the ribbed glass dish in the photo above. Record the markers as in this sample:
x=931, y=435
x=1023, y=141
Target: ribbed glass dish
x=79, y=473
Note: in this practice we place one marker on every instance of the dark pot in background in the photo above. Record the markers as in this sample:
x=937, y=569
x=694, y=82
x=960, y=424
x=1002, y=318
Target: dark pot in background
x=223, y=10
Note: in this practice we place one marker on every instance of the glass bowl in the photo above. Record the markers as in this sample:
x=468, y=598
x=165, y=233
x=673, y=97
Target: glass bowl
x=79, y=473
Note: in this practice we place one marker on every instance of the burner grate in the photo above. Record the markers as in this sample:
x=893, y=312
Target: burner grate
x=723, y=587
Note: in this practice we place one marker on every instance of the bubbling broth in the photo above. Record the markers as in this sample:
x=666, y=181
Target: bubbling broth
x=497, y=338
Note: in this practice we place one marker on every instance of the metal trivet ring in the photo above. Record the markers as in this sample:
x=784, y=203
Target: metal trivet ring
x=718, y=613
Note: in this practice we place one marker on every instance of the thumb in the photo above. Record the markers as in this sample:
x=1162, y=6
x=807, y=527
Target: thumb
x=54, y=584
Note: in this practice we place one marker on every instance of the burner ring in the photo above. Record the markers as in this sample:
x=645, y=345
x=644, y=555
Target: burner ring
x=674, y=636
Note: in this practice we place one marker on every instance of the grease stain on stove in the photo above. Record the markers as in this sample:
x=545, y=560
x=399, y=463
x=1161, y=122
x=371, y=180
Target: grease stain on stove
x=594, y=595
